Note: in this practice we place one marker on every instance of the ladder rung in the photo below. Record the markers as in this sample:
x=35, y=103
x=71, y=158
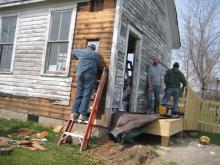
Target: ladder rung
x=81, y=122
x=75, y=134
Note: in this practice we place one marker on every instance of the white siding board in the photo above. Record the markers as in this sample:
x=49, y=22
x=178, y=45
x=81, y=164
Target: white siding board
x=33, y=22
x=38, y=18
x=26, y=64
x=42, y=27
x=29, y=47
x=64, y=83
x=30, y=60
x=34, y=89
x=20, y=51
x=24, y=72
x=30, y=35
x=30, y=68
x=35, y=86
x=31, y=77
x=32, y=94
x=31, y=31
x=31, y=39
x=26, y=43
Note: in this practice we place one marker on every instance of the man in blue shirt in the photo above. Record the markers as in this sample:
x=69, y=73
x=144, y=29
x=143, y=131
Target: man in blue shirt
x=88, y=61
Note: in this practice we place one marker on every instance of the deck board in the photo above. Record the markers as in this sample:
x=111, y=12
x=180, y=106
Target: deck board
x=165, y=127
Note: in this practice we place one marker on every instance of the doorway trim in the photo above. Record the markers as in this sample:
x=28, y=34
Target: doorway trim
x=137, y=62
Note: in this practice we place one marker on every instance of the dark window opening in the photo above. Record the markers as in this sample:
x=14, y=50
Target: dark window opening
x=129, y=72
x=33, y=118
x=115, y=2
x=97, y=5
x=80, y=5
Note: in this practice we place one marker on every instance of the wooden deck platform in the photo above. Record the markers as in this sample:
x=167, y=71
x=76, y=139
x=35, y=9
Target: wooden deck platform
x=165, y=128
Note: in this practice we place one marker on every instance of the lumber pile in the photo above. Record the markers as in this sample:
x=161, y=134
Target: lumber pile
x=23, y=138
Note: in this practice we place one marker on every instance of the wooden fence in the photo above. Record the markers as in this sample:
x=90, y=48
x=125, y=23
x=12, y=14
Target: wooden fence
x=203, y=115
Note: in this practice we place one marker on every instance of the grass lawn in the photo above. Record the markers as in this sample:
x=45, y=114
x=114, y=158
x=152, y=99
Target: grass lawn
x=64, y=155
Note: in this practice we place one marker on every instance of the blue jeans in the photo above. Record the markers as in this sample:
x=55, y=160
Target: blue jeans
x=175, y=92
x=85, y=86
x=156, y=92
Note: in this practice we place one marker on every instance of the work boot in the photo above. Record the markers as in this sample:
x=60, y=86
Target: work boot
x=83, y=118
x=75, y=116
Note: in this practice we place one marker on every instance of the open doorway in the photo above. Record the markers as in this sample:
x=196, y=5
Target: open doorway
x=129, y=72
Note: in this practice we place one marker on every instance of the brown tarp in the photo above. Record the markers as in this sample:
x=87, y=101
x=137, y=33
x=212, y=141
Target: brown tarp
x=124, y=122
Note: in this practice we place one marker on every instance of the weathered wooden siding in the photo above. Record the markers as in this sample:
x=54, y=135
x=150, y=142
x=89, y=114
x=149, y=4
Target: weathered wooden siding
x=150, y=19
x=89, y=25
x=30, y=44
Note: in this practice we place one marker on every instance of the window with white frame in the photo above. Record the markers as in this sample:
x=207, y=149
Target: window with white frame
x=7, y=36
x=58, y=41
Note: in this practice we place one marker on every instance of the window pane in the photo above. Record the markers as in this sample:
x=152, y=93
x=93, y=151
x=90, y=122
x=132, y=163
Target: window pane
x=55, y=25
x=65, y=25
x=57, y=53
x=12, y=27
x=5, y=29
x=62, y=56
x=8, y=29
x=52, y=53
x=6, y=55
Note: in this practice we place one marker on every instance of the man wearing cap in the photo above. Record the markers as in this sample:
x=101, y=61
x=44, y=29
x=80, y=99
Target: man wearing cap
x=173, y=80
x=88, y=61
x=154, y=84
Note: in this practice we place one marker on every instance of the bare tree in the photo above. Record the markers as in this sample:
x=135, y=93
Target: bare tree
x=201, y=40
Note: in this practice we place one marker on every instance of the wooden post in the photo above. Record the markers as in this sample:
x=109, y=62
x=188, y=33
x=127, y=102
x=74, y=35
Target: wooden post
x=165, y=141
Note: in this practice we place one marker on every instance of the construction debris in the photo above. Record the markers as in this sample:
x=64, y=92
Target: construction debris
x=23, y=138
x=22, y=132
x=38, y=146
x=58, y=129
x=3, y=141
x=42, y=135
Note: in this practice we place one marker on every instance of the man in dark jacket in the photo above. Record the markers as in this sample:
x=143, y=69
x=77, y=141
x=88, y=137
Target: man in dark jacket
x=173, y=79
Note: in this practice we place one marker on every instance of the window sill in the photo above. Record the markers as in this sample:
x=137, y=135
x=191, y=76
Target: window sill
x=64, y=75
x=6, y=72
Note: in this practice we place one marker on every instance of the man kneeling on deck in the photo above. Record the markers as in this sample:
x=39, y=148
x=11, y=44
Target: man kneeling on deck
x=88, y=60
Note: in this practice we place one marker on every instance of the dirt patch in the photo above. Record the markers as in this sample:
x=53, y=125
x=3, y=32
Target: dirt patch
x=114, y=154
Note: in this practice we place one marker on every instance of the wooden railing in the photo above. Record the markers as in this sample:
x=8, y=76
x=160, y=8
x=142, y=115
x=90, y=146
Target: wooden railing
x=210, y=116
x=200, y=114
